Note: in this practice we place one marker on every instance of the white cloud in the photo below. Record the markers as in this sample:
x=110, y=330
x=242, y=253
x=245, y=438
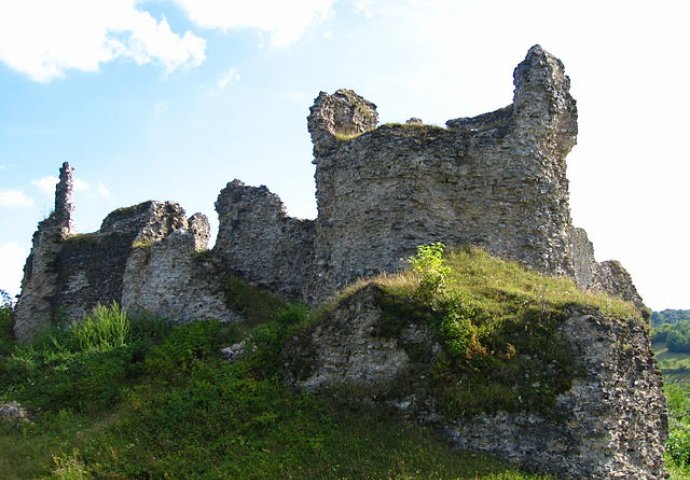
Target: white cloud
x=81, y=185
x=14, y=198
x=46, y=184
x=230, y=76
x=102, y=191
x=43, y=38
x=12, y=258
x=284, y=21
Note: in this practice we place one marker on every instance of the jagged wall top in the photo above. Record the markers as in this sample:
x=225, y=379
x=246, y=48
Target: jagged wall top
x=343, y=114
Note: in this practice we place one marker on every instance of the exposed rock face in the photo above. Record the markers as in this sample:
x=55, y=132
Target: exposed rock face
x=13, y=412
x=610, y=424
x=607, y=277
x=258, y=241
x=360, y=359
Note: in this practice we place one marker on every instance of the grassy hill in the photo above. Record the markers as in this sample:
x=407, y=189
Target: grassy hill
x=675, y=366
x=119, y=397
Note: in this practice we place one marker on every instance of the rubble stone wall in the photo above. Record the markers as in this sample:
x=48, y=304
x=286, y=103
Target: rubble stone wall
x=258, y=241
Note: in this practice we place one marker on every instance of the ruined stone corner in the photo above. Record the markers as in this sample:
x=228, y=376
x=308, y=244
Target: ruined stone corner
x=339, y=117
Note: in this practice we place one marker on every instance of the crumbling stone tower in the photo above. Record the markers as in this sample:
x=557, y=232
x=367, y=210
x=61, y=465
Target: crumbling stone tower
x=39, y=286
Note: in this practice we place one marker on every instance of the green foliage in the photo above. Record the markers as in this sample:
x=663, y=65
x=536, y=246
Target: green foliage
x=430, y=266
x=676, y=336
x=678, y=444
x=69, y=467
x=162, y=405
x=254, y=304
x=187, y=347
x=6, y=323
x=669, y=316
x=497, y=323
x=105, y=328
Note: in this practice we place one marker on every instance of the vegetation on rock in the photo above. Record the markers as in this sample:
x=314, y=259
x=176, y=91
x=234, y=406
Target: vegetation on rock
x=498, y=325
x=159, y=403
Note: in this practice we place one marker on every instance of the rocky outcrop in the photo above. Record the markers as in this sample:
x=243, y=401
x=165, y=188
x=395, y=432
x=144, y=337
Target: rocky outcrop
x=610, y=423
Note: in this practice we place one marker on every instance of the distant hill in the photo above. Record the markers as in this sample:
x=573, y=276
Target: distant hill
x=669, y=316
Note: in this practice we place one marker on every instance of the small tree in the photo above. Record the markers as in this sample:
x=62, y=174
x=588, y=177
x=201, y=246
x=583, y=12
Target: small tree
x=429, y=264
x=5, y=299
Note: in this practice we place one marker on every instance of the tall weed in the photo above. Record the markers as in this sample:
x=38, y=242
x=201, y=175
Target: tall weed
x=105, y=328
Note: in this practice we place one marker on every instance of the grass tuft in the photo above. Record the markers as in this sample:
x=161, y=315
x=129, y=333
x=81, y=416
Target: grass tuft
x=105, y=328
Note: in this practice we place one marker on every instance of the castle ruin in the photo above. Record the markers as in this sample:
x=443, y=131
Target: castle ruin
x=497, y=180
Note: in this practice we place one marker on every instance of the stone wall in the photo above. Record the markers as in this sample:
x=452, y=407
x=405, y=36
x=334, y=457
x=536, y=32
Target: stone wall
x=259, y=242
x=176, y=279
x=610, y=423
x=143, y=257
x=497, y=181
x=608, y=277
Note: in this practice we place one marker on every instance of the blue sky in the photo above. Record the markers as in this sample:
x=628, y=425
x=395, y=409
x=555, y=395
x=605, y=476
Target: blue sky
x=172, y=99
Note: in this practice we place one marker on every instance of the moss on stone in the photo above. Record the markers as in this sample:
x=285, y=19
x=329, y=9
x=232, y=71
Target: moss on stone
x=83, y=238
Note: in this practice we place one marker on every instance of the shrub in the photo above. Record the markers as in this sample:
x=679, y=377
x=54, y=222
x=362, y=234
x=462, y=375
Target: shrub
x=105, y=328
x=6, y=322
x=428, y=263
x=186, y=346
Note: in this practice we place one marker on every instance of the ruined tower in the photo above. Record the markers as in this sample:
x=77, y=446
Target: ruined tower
x=34, y=309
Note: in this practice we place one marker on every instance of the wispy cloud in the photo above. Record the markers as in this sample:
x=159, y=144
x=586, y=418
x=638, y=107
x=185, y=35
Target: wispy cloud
x=43, y=39
x=285, y=22
x=102, y=191
x=47, y=184
x=14, y=198
x=230, y=76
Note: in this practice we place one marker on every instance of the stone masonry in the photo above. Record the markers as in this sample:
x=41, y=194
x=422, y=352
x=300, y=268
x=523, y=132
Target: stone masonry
x=496, y=180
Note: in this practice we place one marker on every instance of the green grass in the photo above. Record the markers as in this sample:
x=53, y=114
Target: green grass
x=498, y=324
x=675, y=366
x=161, y=404
x=254, y=304
x=135, y=398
